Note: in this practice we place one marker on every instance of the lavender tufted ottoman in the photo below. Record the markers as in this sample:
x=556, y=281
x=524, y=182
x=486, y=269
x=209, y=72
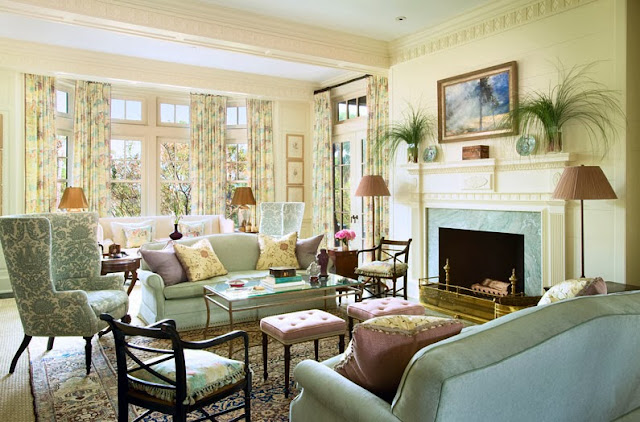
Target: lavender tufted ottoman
x=379, y=307
x=298, y=327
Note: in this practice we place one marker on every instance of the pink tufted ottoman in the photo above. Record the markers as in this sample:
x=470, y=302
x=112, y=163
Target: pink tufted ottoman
x=298, y=327
x=379, y=307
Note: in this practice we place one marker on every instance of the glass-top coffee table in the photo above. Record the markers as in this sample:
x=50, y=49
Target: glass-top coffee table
x=235, y=299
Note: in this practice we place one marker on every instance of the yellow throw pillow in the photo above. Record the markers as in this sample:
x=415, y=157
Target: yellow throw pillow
x=199, y=260
x=277, y=252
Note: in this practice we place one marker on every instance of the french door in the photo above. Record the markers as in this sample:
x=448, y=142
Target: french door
x=348, y=158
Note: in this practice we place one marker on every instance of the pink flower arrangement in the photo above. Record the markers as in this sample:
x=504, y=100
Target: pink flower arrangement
x=345, y=235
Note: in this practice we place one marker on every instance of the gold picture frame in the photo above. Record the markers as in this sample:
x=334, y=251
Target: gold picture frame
x=295, y=147
x=295, y=173
x=474, y=105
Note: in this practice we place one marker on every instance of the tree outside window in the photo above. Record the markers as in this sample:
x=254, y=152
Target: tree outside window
x=175, y=187
x=126, y=177
x=237, y=166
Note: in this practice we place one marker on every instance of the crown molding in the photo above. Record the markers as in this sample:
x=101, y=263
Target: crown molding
x=81, y=64
x=195, y=23
x=483, y=22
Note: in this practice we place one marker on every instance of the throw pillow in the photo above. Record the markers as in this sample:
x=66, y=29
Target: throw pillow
x=277, y=252
x=199, y=260
x=191, y=228
x=134, y=237
x=572, y=288
x=390, y=341
x=307, y=249
x=117, y=229
x=165, y=263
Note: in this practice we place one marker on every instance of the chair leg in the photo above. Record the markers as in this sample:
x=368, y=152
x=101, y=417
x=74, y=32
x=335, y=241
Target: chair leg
x=123, y=407
x=247, y=400
x=405, y=287
x=23, y=345
x=50, y=343
x=350, y=326
x=315, y=347
x=265, y=343
x=287, y=362
x=341, y=344
x=87, y=353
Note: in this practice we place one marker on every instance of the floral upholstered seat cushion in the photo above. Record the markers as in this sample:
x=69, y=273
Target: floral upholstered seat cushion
x=382, y=269
x=199, y=260
x=572, y=288
x=277, y=251
x=206, y=373
x=389, y=342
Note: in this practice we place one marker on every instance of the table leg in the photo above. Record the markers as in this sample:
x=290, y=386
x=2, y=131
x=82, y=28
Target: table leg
x=230, y=328
x=206, y=327
x=134, y=278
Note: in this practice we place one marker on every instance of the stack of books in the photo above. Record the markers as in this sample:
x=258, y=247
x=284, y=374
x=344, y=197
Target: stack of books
x=283, y=283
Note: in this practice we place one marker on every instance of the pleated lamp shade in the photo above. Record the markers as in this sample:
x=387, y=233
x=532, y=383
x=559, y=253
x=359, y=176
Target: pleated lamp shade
x=243, y=195
x=372, y=185
x=73, y=198
x=584, y=182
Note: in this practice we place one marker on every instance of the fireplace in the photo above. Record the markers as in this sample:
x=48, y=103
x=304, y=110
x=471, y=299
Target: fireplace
x=477, y=255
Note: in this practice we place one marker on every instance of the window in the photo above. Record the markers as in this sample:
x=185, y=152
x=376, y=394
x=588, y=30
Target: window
x=62, y=102
x=126, y=110
x=237, y=166
x=175, y=186
x=62, y=174
x=352, y=108
x=174, y=114
x=126, y=177
x=236, y=116
x=347, y=209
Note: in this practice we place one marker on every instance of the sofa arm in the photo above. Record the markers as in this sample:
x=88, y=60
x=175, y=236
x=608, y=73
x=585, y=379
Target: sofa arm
x=226, y=225
x=104, y=282
x=151, y=279
x=344, y=398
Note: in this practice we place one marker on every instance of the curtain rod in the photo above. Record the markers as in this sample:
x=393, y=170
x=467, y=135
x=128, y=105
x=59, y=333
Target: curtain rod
x=318, y=91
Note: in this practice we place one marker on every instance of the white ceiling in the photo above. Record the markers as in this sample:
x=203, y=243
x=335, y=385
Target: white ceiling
x=370, y=18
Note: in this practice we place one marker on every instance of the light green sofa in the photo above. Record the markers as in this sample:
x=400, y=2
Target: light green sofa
x=575, y=360
x=184, y=302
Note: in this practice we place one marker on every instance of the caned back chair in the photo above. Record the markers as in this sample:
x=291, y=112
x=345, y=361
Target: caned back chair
x=391, y=263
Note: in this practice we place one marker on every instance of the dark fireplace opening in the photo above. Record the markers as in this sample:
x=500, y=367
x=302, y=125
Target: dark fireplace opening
x=477, y=255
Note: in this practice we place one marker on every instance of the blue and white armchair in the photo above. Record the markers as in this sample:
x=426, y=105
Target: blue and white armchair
x=280, y=218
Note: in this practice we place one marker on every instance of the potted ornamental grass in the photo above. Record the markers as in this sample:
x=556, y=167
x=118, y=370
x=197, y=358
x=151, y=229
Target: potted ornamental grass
x=416, y=126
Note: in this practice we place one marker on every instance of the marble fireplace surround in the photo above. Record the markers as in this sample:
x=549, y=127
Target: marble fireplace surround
x=500, y=195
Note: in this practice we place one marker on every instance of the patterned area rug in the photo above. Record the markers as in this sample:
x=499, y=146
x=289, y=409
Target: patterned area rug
x=63, y=393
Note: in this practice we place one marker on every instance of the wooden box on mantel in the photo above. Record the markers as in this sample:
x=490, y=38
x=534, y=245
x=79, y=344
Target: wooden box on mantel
x=475, y=152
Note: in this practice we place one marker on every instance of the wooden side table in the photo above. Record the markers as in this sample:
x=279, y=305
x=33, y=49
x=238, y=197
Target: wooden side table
x=345, y=262
x=128, y=265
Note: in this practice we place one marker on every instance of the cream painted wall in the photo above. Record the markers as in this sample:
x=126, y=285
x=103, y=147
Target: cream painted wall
x=592, y=32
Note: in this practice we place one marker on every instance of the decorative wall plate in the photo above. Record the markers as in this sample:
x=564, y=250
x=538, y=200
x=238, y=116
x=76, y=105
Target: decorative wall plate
x=526, y=145
x=429, y=154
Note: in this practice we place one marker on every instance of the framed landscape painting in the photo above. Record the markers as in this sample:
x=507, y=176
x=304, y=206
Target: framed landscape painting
x=475, y=105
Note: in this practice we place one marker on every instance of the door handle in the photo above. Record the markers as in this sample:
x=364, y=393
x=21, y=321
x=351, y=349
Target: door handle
x=354, y=218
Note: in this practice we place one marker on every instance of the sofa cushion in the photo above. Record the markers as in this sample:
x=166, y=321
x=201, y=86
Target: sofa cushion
x=277, y=251
x=117, y=229
x=307, y=249
x=134, y=237
x=191, y=228
x=199, y=261
x=390, y=341
x=572, y=288
x=206, y=373
x=165, y=263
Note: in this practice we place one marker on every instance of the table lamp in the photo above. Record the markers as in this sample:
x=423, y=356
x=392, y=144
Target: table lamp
x=372, y=185
x=243, y=196
x=583, y=182
x=73, y=199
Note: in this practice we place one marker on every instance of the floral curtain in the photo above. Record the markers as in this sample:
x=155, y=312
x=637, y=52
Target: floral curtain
x=207, y=162
x=91, y=140
x=40, y=143
x=260, y=140
x=375, y=161
x=322, y=178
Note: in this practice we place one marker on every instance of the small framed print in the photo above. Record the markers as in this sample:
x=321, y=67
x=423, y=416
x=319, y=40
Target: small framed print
x=295, y=173
x=295, y=193
x=295, y=147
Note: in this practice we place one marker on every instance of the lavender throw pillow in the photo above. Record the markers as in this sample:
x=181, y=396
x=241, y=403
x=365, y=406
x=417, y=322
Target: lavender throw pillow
x=165, y=263
x=307, y=249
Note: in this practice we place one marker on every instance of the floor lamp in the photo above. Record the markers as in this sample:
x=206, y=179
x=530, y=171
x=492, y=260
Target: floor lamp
x=372, y=186
x=583, y=182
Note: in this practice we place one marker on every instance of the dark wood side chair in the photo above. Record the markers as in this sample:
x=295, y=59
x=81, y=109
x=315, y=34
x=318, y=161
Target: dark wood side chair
x=391, y=263
x=164, y=382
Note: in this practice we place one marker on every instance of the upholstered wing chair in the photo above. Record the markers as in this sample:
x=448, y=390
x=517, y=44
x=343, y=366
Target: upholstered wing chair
x=53, y=262
x=280, y=218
